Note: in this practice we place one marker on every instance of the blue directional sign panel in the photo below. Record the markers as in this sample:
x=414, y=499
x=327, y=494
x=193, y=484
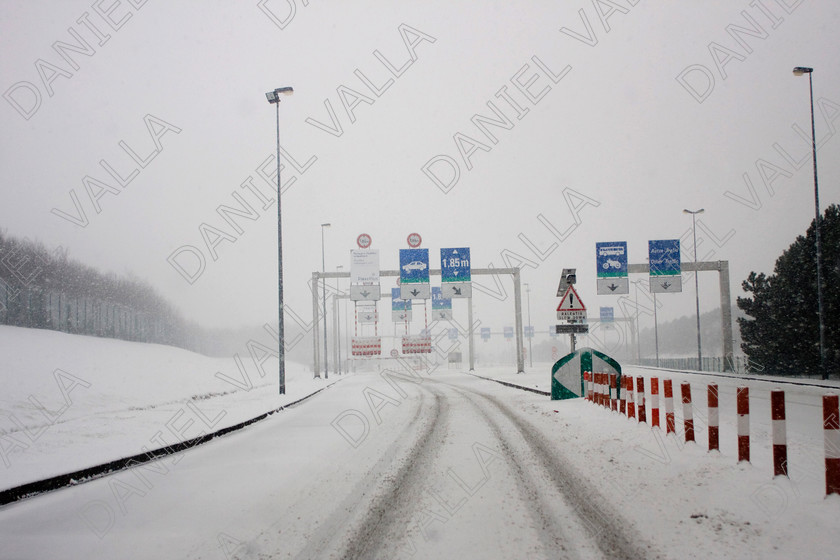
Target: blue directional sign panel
x=414, y=266
x=455, y=272
x=529, y=331
x=455, y=265
x=441, y=306
x=453, y=334
x=607, y=315
x=611, y=258
x=398, y=304
x=552, y=331
x=664, y=256
x=508, y=332
x=485, y=333
x=414, y=274
x=611, y=268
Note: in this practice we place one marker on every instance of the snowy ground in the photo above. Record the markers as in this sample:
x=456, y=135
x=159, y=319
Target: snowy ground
x=444, y=465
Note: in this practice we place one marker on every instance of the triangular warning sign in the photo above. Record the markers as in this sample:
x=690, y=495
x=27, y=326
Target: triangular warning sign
x=571, y=301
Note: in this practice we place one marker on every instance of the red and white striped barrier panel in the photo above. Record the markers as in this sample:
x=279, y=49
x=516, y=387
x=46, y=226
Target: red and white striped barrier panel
x=714, y=419
x=631, y=404
x=831, y=431
x=743, y=409
x=590, y=386
x=688, y=416
x=613, y=393
x=599, y=389
x=419, y=344
x=777, y=416
x=640, y=391
x=605, y=390
x=622, y=406
x=654, y=402
x=366, y=346
x=586, y=385
x=670, y=422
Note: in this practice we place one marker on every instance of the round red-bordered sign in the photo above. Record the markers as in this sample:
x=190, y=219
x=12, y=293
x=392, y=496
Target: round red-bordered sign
x=414, y=240
x=363, y=241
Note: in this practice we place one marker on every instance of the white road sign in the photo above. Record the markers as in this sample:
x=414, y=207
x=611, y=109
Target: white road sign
x=364, y=267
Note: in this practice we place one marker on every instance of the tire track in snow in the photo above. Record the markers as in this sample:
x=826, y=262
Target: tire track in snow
x=358, y=527
x=551, y=532
x=386, y=517
x=608, y=529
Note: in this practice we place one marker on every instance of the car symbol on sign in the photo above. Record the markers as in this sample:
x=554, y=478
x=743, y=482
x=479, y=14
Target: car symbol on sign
x=414, y=265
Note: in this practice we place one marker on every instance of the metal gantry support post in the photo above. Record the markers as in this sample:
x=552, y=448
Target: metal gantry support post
x=316, y=361
x=722, y=268
x=517, y=302
x=470, y=333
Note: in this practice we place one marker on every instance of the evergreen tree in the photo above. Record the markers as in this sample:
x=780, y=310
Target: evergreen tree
x=781, y=330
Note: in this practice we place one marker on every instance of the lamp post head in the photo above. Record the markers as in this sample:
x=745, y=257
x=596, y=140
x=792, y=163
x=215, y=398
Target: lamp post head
x=687, y=211
x=325, y=225
x=799, y=70
x=274, y=96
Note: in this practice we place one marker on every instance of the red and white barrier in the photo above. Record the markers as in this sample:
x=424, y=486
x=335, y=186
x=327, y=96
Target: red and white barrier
x=777, y=417
x=654, y=402
x=602, y=386
x=831, y=431
x=640, y=390
x=623, y=404
x=714, y=419
x=688, y=413
x=587, y=376
x=743, y=409
x=670, y=422
x=631, y=405
x=613, y=394
x=366, y=346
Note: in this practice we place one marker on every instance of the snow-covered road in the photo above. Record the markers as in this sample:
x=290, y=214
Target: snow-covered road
x=375, y=467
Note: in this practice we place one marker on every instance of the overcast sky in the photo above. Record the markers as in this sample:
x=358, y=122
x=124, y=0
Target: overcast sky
x=611, y=117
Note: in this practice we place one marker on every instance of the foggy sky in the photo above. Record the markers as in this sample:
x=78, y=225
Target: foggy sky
x=611, y=117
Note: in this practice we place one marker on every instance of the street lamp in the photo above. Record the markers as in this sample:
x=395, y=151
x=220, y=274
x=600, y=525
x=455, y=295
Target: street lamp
x=324, y=284
x=530, y=350
x=798, y=71
x=696, y=282
x=274, y=98
x=338, y=326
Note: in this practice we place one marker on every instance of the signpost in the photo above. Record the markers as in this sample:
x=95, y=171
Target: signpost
x=664, y=258
x=414, y=274
x=455, y=272
x=400, y=308
x=611, y=268
x=441, y=306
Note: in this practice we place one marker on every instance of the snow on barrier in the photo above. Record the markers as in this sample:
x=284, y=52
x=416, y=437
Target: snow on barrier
x=670, y=422
x=631, y=404
x=743, y=409
x=654, y=402
x=831, y=430
x=640, y=391
x=777, y=417
x=714, y=420
x=688, y=418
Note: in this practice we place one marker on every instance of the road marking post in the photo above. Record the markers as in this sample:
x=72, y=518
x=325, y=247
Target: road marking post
x=777, y=415
x=640, y=389
x=714, y=419
x=831, y=430
x=743, y=409
x=688, y=417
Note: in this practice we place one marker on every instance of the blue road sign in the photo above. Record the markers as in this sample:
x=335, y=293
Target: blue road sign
x=664, y=257
x=552, y=331
x=455, y=265
x=485, y=333
x=508, y=332
x=611, y=259
x=529, y=331
x=414, y=266
x=438, y=301
x=398, y=304
x=453, y=334
x=607, y=315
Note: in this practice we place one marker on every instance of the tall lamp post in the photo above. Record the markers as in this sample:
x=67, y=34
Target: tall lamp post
x=324, y=301
x=696, y=282
x=274, y=98
x=530, y=350
x=338, y=326
x=798, y=71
